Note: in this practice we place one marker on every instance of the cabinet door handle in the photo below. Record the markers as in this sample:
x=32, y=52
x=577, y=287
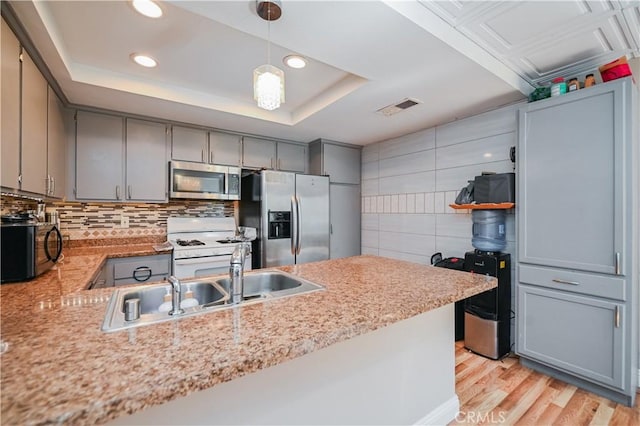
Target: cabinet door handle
x=117, y=192
x=48, y=188
x=202, y=155
x=143, y=269
x=271, y=163
x=565, y=282
x=618, y=264
x=617, y=317
x=53, y=185
x=211, y=157
x=279, y=164
x=129, y=191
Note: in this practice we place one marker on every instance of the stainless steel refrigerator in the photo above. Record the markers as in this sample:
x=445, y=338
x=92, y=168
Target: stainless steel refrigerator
x=291, y=214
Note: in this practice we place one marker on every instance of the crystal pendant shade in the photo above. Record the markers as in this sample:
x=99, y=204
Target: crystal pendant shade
x=268, y=87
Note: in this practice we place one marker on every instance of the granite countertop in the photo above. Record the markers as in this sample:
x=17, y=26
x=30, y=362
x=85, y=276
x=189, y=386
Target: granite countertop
x=61, y=368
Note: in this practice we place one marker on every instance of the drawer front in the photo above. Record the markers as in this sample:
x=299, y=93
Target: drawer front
x=141, y=268
x=146, y=278
x=575, y=282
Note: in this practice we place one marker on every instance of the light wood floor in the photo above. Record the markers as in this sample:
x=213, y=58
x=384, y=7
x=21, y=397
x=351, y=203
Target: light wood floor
x=506, y=393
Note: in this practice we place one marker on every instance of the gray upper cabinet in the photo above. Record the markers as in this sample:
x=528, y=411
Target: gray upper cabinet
x=10, y=126
x=225, y=148
x=572, y=155
x=99, y=156
x=577, y=218
x=56, y=147
x=146, y=159
x=201, y=146
x=292, y=157
x=341, y=163
x=33, y=125
x=189, y=144
x=258, y=153
x=113, y=167
x=34, y=129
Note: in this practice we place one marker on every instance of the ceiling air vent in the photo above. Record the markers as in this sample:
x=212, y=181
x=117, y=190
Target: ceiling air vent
x=399, y=106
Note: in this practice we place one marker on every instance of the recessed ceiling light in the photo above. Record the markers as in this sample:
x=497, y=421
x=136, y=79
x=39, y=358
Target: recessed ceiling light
x=295, y=61
x=147, y=8
x=144, y=60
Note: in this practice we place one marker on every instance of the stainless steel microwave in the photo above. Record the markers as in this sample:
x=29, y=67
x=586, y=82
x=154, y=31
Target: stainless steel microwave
x=203, y=181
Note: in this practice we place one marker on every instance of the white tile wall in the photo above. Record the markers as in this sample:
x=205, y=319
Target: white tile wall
x=408, y=144
x=454, y=179
x=409, y=182
x=421, y=161
x=415, y=182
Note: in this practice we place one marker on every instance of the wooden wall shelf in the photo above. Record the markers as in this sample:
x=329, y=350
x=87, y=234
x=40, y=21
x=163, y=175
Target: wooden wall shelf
x=483, y=206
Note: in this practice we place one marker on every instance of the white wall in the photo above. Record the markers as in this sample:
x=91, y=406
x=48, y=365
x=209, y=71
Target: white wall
x=409, y=182
x=399, y=374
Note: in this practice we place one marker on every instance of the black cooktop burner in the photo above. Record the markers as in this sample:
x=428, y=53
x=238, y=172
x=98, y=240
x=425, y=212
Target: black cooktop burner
x=189, y=243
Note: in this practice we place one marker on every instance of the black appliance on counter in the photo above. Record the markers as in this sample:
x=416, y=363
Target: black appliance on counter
x=487, y=316
x=28, y=248
x=456, y=263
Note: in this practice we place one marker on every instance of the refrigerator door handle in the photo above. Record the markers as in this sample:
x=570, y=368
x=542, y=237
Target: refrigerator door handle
x=294, y=225
x=298, y=225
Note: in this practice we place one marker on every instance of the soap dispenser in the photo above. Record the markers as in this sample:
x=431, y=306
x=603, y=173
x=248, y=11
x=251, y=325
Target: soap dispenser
x=189, y=301
x=167, y=304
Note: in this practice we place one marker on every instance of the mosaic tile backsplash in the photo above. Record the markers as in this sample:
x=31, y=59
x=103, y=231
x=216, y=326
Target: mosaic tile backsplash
x=102, y=220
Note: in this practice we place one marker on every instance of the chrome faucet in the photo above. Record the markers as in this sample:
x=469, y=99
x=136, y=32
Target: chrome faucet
x=176, y=289
x=236, y=272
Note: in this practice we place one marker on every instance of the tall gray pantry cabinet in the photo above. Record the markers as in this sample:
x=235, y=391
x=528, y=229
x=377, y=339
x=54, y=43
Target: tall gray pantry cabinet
x=577, y=219
x=341, y=162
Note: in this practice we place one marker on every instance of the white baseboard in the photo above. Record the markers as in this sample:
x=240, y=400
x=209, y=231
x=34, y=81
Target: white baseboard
x=443, y=414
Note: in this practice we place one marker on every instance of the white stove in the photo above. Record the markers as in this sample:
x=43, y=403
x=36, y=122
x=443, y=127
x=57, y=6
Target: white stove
x=203, y=245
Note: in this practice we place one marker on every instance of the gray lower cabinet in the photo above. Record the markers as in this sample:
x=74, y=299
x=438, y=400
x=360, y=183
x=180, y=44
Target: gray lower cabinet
x=578, y=226
x=146, y=159
x=344, y=214
x=10, y=117
x=137, y=270
x=99, y=157
x=580, y=334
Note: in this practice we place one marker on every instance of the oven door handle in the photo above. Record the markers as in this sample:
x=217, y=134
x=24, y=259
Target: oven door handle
x=58, y=244
x=209, y=259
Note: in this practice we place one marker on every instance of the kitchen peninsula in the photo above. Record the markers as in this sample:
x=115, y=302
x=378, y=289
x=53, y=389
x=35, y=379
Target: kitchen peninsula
x=375, y=347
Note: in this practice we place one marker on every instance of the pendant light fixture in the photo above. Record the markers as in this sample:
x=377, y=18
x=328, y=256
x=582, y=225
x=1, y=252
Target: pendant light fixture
x=268, y=81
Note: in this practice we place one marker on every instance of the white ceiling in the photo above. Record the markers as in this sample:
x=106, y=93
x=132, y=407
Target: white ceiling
x=457, y=57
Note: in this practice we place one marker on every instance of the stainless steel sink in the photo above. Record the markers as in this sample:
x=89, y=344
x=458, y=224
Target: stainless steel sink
x=208, y=294
x=271, y=284
x=211, y=294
